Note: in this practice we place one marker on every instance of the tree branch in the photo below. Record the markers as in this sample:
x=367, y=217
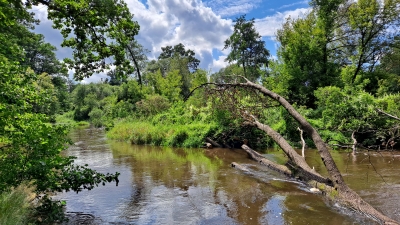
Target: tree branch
x=387, y=114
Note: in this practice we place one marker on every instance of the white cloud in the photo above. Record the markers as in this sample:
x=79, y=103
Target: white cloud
x=270, y=24
x=190, y=22
x=232, y=8
x=220, y=63
x=293, y=4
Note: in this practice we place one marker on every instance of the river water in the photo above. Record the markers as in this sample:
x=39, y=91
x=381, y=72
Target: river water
x=161, y=185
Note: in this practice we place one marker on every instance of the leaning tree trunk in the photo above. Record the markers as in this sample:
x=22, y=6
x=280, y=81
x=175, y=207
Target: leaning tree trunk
x=345, y=194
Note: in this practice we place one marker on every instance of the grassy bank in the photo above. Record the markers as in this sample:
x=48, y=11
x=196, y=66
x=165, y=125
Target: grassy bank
x=68, y=118
x=15, y=208
x=144, y=132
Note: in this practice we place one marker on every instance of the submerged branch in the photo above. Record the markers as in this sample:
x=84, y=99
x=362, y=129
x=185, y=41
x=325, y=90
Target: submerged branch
x=264, y=161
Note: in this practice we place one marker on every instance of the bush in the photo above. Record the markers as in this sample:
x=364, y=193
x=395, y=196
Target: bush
x=96, y=117
x=152, y=105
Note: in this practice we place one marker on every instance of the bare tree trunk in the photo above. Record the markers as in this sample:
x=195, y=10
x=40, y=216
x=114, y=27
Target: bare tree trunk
x=262, y=160
x=215, y=144
x=303, y=143
x=306, y=173
x=354, y=146
x=345, y=194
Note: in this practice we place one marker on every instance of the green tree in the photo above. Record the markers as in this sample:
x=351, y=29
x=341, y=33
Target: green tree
x=30, y=146
x=170, y=86
x=307, y=61
x=371, y=28
x=227, y=74
x=178, y=58
x=247, y=48
x=40, y=56
x=180, y=52
x=95, y=30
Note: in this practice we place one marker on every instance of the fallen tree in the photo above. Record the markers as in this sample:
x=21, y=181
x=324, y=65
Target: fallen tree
x=300, y=169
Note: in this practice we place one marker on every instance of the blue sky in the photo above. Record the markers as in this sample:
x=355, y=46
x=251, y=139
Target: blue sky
x=201, y=25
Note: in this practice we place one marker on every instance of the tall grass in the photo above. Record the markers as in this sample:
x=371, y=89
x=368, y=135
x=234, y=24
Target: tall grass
x=15, y=206
x=179, y=135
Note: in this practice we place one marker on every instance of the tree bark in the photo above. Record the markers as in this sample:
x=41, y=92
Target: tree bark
x=354, y=146
x=345, y=194
x=303, y=143
x=305, y=172
x=262, y=160
x=215, y=144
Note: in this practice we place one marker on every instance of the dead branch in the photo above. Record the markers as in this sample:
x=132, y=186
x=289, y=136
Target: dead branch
x=303, y=143
x=354, y=145
x=264, y=161
x=215, y=144
x=345, y=194
x=387, y=114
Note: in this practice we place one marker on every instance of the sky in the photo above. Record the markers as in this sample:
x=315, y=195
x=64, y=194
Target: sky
x=200, y=25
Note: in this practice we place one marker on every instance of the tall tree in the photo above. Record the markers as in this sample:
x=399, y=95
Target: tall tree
x=179, y=51
x=97, y=31
x=40, y=56
x=371, y=27
x=307, y=57
x=247, y=48
x=180, y=59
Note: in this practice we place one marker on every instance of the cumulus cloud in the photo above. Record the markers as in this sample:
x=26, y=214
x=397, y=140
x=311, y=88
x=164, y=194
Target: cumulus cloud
x=269, y=25
x=190, y=22
x=220, y=63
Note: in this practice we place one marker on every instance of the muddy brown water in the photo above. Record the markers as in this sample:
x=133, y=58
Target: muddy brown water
x=161, y=185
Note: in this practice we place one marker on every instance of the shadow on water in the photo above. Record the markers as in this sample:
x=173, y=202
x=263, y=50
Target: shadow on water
x=197, y=186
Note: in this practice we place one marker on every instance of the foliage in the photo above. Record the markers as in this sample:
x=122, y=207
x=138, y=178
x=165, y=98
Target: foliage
x=30, y=145
x=306, y=59
x=152, y=105
x=227, y=74
x=247, y=48
x=88, y=97
x=179, y=51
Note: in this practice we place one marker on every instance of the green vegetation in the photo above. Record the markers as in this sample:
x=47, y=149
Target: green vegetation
x=15, y=207
x=338, y=65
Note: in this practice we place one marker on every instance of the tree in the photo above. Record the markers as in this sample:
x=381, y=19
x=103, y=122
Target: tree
x=95, y=30
x=30, y=146
x=115, y=77
x=40, y=56
x=224, y=75
x=371, y=28
x=137, y=53
x=247, y=48
x=179, y=51
x=333, y=184
x=306, y=57
x=178, y=58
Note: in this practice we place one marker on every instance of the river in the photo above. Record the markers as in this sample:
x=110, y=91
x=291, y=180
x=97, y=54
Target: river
x=160, y=185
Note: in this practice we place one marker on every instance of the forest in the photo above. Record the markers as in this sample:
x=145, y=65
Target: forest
x=338, y=67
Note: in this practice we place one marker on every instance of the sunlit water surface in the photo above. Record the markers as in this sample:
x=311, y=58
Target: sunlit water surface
x=198, y=186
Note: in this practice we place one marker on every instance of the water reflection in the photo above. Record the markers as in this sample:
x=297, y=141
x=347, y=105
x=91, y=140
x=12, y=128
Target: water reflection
x=194, y=186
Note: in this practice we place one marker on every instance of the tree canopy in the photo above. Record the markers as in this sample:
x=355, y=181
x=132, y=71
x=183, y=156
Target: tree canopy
x=247, y=48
